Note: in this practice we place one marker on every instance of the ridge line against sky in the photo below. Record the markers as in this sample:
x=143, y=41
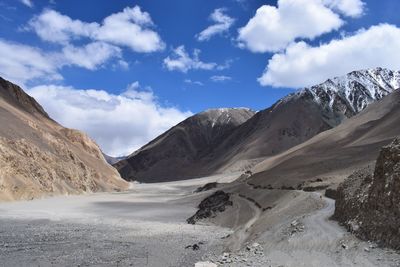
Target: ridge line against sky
x=153, y=63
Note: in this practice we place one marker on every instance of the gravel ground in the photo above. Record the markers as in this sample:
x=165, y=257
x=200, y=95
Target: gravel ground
x=145, y=226
x=47, y=243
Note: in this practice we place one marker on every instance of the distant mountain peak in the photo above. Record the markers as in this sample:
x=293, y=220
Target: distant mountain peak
x=349, y=94
x=357, y=89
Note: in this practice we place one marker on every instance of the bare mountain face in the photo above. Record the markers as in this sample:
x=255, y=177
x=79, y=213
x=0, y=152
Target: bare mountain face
x=182, y=151
x=301, y=115
x=368, y=204
x=331, y=156
x=291, y=121
x=40, y=157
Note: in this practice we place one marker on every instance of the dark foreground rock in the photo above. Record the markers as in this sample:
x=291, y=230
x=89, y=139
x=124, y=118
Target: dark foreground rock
x=210, y=206
x=331, y=193
x=369, y=204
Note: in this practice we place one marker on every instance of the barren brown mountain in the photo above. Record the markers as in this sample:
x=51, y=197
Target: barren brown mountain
x=181, y=152
x=184, y=151
x=40, y=157
x=332, y=155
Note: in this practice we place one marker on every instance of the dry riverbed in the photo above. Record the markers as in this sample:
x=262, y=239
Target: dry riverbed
x=146, y=226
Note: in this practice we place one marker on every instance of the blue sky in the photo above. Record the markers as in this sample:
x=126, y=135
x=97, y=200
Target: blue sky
x=87, y=72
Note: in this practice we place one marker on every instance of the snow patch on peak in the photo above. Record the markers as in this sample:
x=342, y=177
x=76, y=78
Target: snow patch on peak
x=356, y=90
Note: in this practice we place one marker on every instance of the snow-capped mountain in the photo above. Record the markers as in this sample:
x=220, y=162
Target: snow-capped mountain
x=220, y=140
x=353, y=92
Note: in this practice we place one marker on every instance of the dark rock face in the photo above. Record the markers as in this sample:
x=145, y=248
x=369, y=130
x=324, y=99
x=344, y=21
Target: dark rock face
x=369, y=205
x=182, y=151
x=206, y=187
x=210, y=206
x=331, y=193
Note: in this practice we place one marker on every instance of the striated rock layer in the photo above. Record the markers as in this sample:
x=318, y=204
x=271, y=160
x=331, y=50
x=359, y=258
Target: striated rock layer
x=369, y=204
x=40, y=157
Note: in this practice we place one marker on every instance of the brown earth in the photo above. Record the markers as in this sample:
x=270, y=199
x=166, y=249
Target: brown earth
x=40, y=157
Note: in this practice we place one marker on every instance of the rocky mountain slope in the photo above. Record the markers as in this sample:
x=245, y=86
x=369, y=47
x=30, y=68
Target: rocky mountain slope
x=181, y=152
x=301, y=115
x=331, y=156
x=291, y=121
x=368, y=204
x=40, y=157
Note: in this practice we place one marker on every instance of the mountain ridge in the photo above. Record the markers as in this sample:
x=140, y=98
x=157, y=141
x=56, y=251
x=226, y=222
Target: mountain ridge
x=40, y=157
x=290, y=121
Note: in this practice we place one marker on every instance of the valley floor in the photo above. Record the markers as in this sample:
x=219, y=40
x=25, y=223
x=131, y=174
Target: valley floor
x=146, y=226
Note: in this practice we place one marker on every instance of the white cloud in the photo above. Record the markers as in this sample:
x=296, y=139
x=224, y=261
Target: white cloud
x=303, y=65
x=350, y=8
x=54, y=27
x=180, y=60
x=90, y=56
x=28, y=3
x=220, y=78
x=120, y=124
x=131, y=28
x=274, y=28
x=189, y=81
x=222, y=23
x=20, y=63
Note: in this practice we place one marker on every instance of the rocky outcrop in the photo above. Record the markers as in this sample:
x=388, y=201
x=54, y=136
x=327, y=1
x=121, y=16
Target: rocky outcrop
x=40, y=157
x=210, y=206
x=369, y=204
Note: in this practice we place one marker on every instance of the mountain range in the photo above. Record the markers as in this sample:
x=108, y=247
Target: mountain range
x=228, y=140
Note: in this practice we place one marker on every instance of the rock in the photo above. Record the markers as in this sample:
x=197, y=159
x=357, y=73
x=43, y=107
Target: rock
x=369, y=204
x=194, y=246
x=210, y=206
x=205, y=264
x=331, y=193
x=206, y=187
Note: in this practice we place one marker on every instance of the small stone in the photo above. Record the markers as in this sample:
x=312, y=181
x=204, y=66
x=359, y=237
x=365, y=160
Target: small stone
x=205, y=264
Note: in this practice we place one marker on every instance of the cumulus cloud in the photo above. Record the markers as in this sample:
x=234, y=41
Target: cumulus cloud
x=20, y=63
x=303, y=65
x=350, y=8
x=273, y=28
x=120, y=123
x=30, y=63
x=28, y=3
x=220, y=78
x=180, y=60
x=90, y=56
x=131, y=28
x=222, y=23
